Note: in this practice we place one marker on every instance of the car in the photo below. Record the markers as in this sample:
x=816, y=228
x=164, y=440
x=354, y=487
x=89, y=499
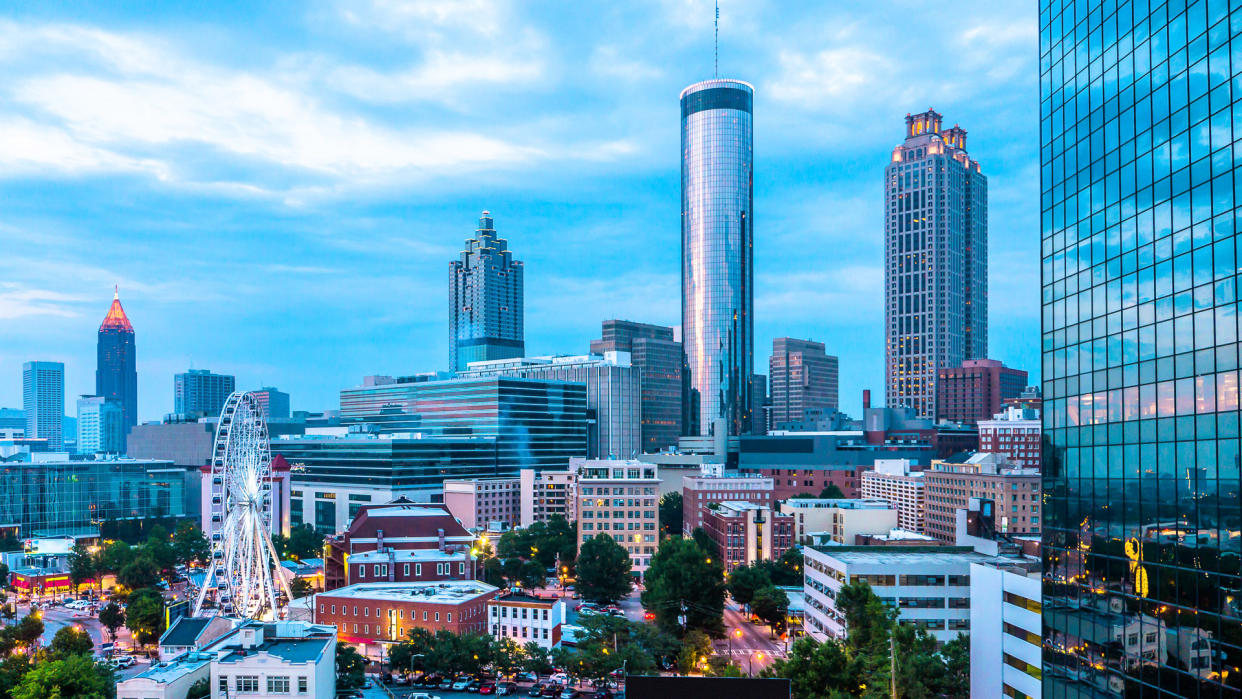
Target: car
x=473, y=686
x=526, y=677
x=535, y=690
x=569, y=693
x=446, y=683
x=422, y=695
x=603, y=694
x=348, y=694
x=403, y=681
x=648, y=616
x=458, y=686
x=121, y=662
x=430, y=679
x=616, y=612
x=487, y=688
x=558, y=678
x=506, y=689
x=584, y=605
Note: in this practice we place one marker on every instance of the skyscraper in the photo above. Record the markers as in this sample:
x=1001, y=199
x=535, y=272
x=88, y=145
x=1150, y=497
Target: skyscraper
x=803, y=381
x=200, y=393
x=935, y=261
x=274, y=401
x=101, y=425
x=1142, y=594
x=116, y=374
x=486, y=303
x=658, y=358
x=717, y=255
x=43, y=398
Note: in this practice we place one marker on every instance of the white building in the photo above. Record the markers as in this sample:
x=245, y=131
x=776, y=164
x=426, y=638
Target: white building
x=1006, y=653
x=841, y=519
x=930, y=586
x=527, y=619
x=188, y=634
x=545, y=494
x=261, y=660
x=895, y=482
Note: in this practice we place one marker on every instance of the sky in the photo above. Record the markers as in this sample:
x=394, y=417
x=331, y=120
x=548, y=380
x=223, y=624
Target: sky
x=277, y=190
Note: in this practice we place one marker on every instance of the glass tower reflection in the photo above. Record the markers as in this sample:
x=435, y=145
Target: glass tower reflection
x=1143, y=530
x=717, y=297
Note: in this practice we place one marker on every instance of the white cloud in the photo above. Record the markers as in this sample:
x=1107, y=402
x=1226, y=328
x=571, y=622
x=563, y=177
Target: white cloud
x=17, y=301
x=831, y=78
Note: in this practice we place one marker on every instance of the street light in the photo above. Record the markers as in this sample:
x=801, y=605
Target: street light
x=738, y=633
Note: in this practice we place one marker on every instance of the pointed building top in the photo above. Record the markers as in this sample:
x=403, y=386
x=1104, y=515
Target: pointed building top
x=116, y=318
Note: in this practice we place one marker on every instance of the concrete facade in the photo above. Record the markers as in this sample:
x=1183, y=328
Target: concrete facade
x=895, y=482
x=619, y=498
x=841, y=520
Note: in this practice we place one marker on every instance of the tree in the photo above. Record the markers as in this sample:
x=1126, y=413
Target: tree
x=745, y=580
x=199, y=690
x=12, y=669
x=304, y=542
x=506, y=657
x=493, y=573
x=299, y=587
x=140, y=572
x=159, y=548
x=112, y=617
x=144, y=616
x=70, y=641
x=28, y=631
x=705, y=542
x=349, y=667
x=786, y=571
x=696, y=647
x=537, y=659
x=817, y=670
x=82, y=565
x=772, y=606
x=115, y=556
x=603, y=570
x=683, y=579
x=671, y=514
x=831, y=492
x=190, y=544
x=956, y=654
x=75, y=676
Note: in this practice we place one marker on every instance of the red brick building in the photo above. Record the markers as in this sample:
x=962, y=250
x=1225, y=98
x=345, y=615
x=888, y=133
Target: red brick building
x=699, y=491
x=976, y=390
x=369, y=613
x=1017, y=433
x=746, y=533
x=391, y=529
x=788, y=482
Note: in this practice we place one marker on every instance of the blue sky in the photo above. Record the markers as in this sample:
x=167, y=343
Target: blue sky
x=278, y=191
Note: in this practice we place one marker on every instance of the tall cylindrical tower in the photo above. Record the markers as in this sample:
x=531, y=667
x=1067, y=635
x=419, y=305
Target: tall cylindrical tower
x=717, y=272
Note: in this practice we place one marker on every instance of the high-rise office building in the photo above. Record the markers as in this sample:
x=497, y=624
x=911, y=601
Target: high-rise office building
x=802, y=380
x=976, y=390
x=101, y=425
x=486, y=300
x=116, y=373
x=1140, y=353
x=43, y=399
x=717, y=255
x=658, y=358
x=275, y=402
x=935, y=261
x=200, y=393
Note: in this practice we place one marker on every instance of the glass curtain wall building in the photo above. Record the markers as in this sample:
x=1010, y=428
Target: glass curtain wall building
x=717, y=256
x=1142, y=531
x=486, y=297
x=116, y=373
x=43, y=400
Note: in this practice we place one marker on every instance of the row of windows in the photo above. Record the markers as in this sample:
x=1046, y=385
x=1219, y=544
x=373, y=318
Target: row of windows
x=249, y=684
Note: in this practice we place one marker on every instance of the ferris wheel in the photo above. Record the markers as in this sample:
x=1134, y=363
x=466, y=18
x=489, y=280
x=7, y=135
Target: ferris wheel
x=242, y=572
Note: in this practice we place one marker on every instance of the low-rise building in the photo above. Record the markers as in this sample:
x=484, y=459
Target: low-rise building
x=547, y=494
x=898, y=483
x=410, y=565
x=950, y=484
x=168, y=680
x=372, y=614
x=526, y=619
x=485, y=503
x=1016, y=432
x=841, y=519
x=275, y=660
x=746, y=533
x=619, y=498
x=928, y=585
x=895, y=537
x=400, y=525
x=699, y=491
x=188, y=634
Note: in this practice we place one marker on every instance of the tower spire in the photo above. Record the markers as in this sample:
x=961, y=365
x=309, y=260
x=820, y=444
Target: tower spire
x=716, y=45
x=116, y=292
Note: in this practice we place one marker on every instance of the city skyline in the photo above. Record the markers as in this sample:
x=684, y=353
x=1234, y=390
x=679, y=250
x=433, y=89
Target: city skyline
x=345, y=279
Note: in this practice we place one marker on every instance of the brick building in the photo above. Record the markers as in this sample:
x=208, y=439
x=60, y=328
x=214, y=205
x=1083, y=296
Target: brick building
x=976, y=390
x=697, y=492
x=398, y=526
x=746, y=533
x=619, y=498
x=371, y=613
x=493, y=503
x=1015, y=432
x=951, y=483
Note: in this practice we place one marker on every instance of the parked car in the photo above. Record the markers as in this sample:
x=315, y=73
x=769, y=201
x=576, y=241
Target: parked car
x=430, y=679
x=348, y=694
x=121, y=662
x=506, y=689
x=526, y=677
x=487, y=688
x=423, y=695
x=473, y=686
x=447, y=683
x=460, y=685
x=535, y=690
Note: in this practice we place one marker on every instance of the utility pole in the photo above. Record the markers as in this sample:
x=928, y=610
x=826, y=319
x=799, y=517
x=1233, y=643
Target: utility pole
x=892, y=655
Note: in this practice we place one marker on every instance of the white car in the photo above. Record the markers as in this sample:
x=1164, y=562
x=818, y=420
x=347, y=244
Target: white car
x=423, y=695
x=122, y=661
x=460, y=685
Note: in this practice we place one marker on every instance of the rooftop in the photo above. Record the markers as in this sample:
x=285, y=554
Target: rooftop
x=525, y=599
x=185, y=631
x=903, y=555
x=291, y=641
x=443, y=592
x=176, y=668
x=838, y=503
x=408, y=556
x=116, y=318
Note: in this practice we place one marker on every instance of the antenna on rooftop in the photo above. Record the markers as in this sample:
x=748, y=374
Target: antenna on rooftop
x=716, y=46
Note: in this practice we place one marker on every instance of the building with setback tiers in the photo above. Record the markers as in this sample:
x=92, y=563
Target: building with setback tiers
x=935, y=261
x=976, y=390
x=116, y=373
x=802, y=380
x=658, y=358
x=486, y=300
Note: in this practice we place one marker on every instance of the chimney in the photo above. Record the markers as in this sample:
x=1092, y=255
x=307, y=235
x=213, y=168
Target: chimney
x=440, y=533
x=379, y=540
x=866, y=399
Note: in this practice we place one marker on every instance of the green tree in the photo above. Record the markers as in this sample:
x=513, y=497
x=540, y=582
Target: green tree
x=786, y=571
x=144, y=616
x=705, y=542
x=115, y=556
x=199, y=690
x=682, y=579
x=190, y=545
x=696, y=648
x=956, y=655
x=493, y=572
x=537, y=659
x=70, y=641
x=4, y=574
x=12, y=669
x=671, y=514
x=82, y=565
x=140, y=572
x=817, y=670
x=299, y=587
x=112, y=617
x=831, y=492
x=304, y=542
x=745, y=580
x=507, y=657
x=76, y=676
x=771, y=604
x=350, y=667
x=28, y=631
x=411, y=653
x=159, y=548
x=603, y=570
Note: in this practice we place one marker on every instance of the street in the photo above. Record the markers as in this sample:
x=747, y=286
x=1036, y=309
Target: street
x=753, y=647
x=57, y=618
